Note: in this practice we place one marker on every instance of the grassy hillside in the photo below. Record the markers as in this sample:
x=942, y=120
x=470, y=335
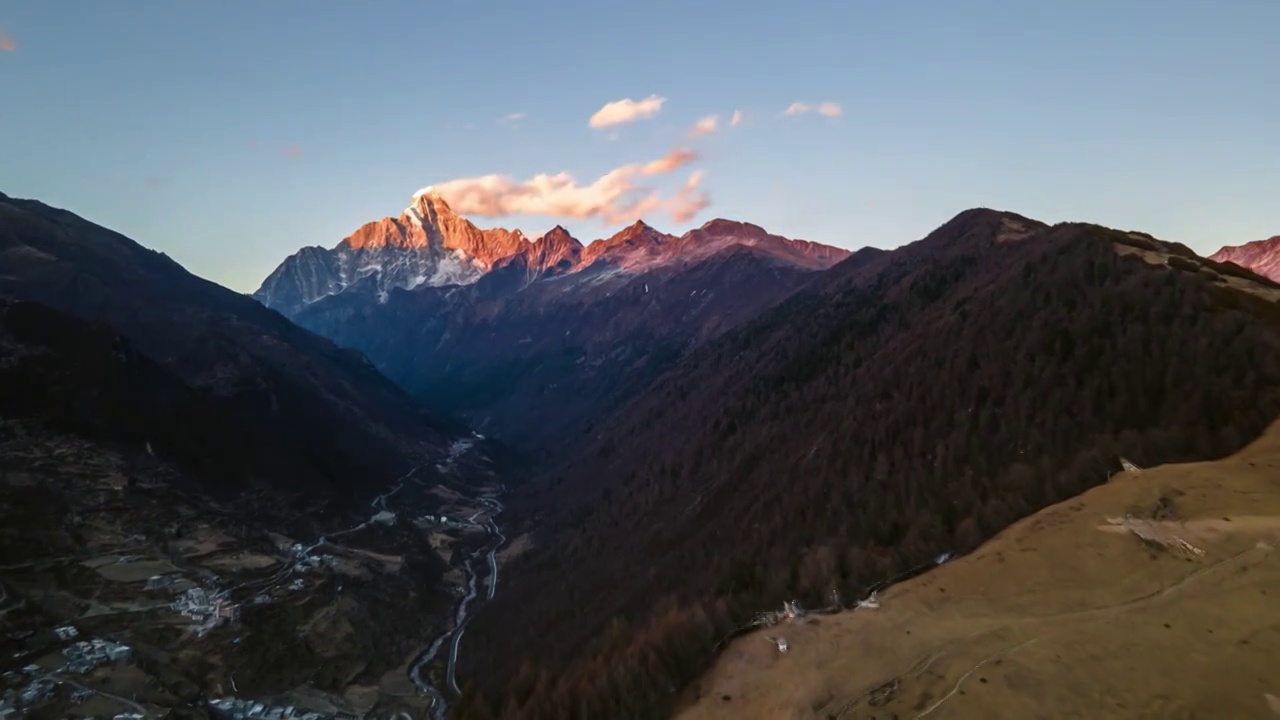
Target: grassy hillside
x=1061, y=615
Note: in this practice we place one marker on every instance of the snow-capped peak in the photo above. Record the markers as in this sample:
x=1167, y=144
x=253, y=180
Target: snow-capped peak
x=427, y=206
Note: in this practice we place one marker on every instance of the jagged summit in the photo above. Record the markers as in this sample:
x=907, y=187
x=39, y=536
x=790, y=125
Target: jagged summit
x=430, y=245
x=426, y=207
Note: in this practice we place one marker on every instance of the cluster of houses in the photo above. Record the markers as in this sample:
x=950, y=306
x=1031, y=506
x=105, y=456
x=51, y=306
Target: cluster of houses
x=231, y=708
x=208, y=610
x=83, y=657
x=312, y=562
x=12, y=702
x=443, y=521
x=305, y=560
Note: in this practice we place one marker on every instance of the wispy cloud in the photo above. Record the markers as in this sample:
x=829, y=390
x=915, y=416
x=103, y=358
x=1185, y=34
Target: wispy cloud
x=670, y=162
x=737, y=118
x=514, y=118
x=705, y=126
x=621, y=112
x=155, y=182
x=7, y=43
x=292, y=151
x=615, y=197
x=826, y=109
x=689, y=200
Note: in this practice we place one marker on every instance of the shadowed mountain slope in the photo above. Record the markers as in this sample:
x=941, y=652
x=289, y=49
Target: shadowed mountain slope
x=321, y=412
x=901, y=405
x=536, y=338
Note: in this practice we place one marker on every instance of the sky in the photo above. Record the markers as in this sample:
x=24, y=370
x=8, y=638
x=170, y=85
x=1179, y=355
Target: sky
x=229, y=134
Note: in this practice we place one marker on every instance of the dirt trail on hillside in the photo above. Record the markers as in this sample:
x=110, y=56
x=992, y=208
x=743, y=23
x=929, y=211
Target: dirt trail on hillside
x=1063, y=615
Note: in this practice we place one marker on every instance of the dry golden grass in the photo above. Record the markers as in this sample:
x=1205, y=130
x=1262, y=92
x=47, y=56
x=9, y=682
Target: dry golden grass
x=1060, y=616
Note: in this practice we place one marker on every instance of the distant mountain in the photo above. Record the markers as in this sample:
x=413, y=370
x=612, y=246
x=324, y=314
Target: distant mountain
x=427, y=245
x=1260, y=256
x=281, y=405
x=897, y=406
x=533, y=340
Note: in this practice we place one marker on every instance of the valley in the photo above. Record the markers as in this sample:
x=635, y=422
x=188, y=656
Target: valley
x=212, y=609
x=649, y=443
x=539, y=338
x=151, y=586
x=639, y=361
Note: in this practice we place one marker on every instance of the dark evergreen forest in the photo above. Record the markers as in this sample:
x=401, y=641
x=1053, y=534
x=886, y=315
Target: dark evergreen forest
x=905, y=404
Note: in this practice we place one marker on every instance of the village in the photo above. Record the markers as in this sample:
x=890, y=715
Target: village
x=35, y=684
x=143, y=606
x=232, y=708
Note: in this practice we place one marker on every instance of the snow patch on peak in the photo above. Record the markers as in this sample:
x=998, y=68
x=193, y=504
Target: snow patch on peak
x=428, y=191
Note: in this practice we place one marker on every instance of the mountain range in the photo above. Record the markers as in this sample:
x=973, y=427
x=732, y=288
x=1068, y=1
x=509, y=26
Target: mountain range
x=532, y=339
x=707, y=425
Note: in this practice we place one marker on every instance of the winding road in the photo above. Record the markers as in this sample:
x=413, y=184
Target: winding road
x=438, y=703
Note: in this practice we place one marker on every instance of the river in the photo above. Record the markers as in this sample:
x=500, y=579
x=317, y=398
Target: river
x=438, y=703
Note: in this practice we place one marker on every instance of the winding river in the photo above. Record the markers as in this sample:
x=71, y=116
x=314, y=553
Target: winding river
x=438, y=702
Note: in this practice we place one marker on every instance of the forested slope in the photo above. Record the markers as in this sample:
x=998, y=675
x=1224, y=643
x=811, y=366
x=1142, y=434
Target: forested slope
x=903, y=405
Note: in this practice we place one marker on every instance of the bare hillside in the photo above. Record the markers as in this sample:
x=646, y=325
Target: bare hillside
x=1062, y=615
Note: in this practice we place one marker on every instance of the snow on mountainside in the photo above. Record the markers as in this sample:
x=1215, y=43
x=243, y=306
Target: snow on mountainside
x=429, y=245
x=1260, y=256
x=534, y=340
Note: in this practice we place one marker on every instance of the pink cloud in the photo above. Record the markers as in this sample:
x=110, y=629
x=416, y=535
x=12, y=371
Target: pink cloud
x=737, y=118
x=292, y=151
x=705, y=126
x=830, y=109
x=826, y=109
x=615, y=197
x=689, y=201
x=670, y=162
x=7, y=44
x=621, y=112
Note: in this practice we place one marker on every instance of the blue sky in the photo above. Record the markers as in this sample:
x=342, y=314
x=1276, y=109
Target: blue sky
x=229, y=134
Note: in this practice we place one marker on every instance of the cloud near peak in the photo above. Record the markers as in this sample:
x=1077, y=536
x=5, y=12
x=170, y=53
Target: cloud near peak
x=615, y=197
x=7, y=44
x=621, y=112
x=826, y=109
